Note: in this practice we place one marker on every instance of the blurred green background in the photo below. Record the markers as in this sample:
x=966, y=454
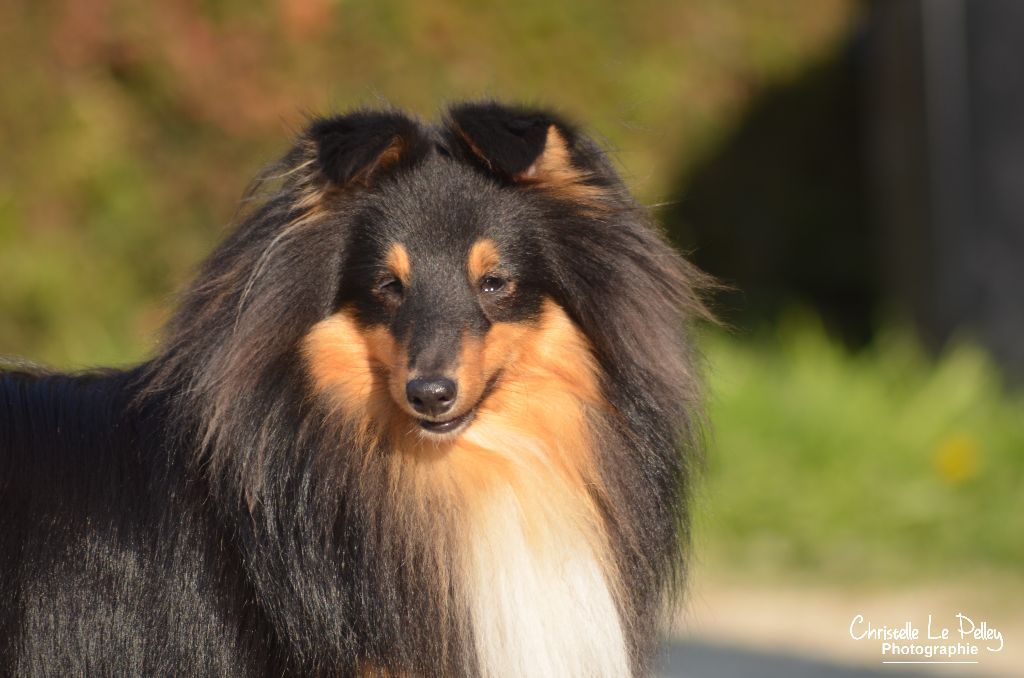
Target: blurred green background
x=842, y=449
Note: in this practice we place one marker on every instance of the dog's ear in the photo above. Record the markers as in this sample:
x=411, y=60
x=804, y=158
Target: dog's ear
x=523, y=146
x=359, y=147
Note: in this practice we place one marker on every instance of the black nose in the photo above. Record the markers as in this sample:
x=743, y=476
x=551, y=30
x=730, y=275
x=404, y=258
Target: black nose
x=431, y=395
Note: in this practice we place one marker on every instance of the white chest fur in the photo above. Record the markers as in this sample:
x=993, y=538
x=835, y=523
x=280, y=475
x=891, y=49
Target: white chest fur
x=541, y=603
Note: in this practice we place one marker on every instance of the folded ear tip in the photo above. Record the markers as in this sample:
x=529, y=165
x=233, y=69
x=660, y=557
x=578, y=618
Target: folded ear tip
x=517, y=119
x=365, y=122
x=356, y=145
x=507, y=139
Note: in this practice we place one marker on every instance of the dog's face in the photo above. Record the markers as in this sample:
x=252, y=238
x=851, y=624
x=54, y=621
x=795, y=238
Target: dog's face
x=443, y=284
x=440, y=284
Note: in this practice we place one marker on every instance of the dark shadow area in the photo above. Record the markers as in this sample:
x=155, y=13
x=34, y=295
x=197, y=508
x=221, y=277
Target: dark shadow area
x=779, y=212
x=691, y=659
x=882, y=182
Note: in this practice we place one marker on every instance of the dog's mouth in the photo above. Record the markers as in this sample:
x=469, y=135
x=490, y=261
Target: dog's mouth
x=448, y=427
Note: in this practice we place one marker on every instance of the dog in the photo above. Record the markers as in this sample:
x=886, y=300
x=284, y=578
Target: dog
x=431, y=409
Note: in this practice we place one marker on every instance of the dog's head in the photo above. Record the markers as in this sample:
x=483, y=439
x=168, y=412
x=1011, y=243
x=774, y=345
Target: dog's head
x=445, y=280
x=415, y=277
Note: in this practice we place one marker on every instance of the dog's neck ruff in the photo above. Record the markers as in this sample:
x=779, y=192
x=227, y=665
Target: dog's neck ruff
x=538, y=583
x=507, y=512
x=538, y=569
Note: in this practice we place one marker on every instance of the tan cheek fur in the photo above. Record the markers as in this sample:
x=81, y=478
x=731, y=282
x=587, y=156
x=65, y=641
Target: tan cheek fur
x=531, y=428
x=354, y=368
x=548, y=379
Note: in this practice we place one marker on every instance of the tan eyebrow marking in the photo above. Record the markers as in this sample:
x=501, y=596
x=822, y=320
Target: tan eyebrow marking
x=483, y=259
x=398, y=261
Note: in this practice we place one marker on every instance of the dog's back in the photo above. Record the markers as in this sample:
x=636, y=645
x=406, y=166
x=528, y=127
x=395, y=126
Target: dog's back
x=110, y=562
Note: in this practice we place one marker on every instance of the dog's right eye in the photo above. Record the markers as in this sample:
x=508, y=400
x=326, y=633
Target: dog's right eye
x=391, y=289
x=491, y=284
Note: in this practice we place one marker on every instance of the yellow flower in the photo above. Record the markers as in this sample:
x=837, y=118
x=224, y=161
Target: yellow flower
x=957, y=458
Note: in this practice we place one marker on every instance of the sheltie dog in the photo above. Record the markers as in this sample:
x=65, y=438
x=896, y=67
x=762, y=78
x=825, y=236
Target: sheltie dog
x=431, y=409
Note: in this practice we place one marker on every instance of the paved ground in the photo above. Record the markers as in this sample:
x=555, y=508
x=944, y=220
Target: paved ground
x=694, y=659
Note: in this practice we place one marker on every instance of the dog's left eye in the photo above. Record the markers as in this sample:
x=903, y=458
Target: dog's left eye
x=491, y=283
x=391, y=289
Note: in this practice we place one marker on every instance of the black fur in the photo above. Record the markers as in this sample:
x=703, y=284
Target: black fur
x=203, y=514
x=348, y=145
x=511, y=139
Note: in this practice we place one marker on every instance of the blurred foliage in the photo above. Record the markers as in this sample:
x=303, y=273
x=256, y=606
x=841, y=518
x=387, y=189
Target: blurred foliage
x=873, y=464
x=130, y=129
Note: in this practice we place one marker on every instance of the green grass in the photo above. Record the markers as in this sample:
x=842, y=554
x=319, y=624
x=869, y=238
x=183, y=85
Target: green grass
x=867, y=465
